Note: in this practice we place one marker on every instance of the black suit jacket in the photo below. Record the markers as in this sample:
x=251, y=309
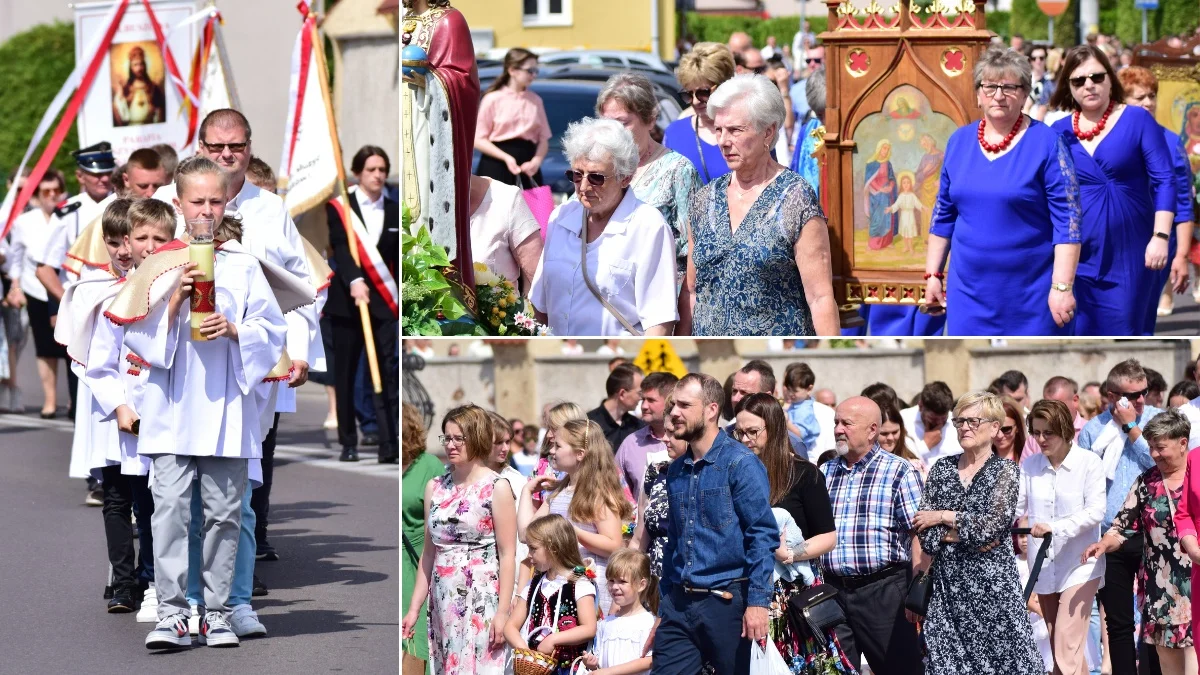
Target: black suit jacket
x=340, y=304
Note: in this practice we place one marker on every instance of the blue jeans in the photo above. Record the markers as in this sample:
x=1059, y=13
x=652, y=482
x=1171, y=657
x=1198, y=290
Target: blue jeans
x=243, y=571
x=700, y=627
x=364, y=398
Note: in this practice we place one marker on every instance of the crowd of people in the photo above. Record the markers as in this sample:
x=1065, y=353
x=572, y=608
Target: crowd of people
x=763, y=516
x=178, y=372
x=713, y=225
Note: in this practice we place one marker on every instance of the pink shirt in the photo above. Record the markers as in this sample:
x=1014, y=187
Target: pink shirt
x=506, y=114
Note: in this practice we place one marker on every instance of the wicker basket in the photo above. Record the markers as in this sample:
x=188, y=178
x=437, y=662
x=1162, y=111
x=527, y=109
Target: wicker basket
x=532, y=662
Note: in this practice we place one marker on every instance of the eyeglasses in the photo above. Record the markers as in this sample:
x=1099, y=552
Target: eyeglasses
x=596, y=179
x=1042, y=434
x=1007, y=429
x=1096, y=78
x=235, y=148
x=971, y=423
x=1134, y=395
x=759, y=70
x=816, y=61
x=51, y=191
x=1038, y=57
x=448, y=441
x=532, y=71
x=1007, y=89
x=743, y=434
x=700, y=95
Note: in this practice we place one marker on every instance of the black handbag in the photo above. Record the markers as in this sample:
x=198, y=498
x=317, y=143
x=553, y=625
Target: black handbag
x=920, y=590
x=817, y=609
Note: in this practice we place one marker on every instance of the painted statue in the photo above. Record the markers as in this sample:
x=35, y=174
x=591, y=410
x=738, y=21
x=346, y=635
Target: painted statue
x=439, y=106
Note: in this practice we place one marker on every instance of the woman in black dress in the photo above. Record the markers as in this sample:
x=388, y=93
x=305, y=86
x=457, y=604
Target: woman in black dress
x=798, y=487
x=976, y=621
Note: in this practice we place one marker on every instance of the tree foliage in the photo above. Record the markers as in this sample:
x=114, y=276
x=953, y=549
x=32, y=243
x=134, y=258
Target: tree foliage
x=36, y=63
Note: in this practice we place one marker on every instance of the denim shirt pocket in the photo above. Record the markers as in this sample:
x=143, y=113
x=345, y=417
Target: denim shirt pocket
x=716, y=508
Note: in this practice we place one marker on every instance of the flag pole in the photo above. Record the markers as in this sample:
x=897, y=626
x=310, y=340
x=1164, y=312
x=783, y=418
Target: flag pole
x=351, y=238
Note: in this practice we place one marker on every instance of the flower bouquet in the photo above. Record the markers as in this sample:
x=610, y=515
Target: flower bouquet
x=501, y=310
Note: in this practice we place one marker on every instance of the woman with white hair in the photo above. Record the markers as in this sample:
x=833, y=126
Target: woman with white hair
x=608, y=266
x=759, y=260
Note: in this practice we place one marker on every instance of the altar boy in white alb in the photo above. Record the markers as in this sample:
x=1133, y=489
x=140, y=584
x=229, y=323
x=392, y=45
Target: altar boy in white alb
x=198, y=415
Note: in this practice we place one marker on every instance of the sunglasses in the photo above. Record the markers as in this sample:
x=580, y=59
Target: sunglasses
x=596, y=179
x=1038, y=57
x=759, y=70
x=700, y=95
x=532, y=71
x=816, y=61
x=1134, y=395
x=1007, y=429
x=236, y=148
x=1096, y=78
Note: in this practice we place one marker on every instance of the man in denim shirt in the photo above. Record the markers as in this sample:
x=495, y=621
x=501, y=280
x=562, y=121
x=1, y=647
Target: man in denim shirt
x=717, y=563
x=1116, y=435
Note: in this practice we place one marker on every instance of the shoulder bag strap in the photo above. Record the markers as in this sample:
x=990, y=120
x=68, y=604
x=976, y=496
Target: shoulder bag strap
x=592, y=285
x=700, y=150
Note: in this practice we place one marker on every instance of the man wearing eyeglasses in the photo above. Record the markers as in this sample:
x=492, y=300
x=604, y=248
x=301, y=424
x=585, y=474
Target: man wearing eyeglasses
x=1116, y=435
x=798, y=92
x=269, y=234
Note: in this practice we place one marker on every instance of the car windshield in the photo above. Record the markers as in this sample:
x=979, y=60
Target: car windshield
x=564, y=107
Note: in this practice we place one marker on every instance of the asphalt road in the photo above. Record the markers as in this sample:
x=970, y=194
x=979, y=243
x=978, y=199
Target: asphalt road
x=334, y=594
x=1184, y=321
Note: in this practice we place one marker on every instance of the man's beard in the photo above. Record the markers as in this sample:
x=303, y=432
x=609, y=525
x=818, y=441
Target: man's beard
x=689, y=431
x=842, y=448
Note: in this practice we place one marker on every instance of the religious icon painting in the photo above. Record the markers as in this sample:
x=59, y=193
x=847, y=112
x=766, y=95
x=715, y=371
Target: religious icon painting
x=897, y=170
x=138, y=79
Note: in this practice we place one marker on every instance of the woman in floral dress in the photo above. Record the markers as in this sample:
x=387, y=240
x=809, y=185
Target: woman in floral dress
x=1164, y=587
x=468, y=564
x=650, y=536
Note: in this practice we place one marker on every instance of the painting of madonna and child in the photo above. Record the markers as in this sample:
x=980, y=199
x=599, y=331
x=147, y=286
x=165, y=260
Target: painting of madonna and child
x=896, y=173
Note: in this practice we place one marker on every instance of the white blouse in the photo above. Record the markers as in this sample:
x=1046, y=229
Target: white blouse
x=1071, y=500
x=620, y=639
x=502, y=221
x=632, y=263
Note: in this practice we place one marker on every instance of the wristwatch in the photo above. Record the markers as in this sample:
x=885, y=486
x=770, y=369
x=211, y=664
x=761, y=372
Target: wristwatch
x=1059, y=286
x=1128, y=427
x=1163, y=235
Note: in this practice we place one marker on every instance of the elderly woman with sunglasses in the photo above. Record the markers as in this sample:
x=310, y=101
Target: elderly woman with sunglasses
x=1008, y=206
x=1127, y=190
x=608, y=266
x=694, y=136
x=1063, y=494
x=759, y=261
x=664, y=178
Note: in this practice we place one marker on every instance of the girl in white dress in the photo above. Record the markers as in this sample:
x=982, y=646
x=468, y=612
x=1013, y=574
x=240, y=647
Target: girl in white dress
x=908, y=205
x=621, y=636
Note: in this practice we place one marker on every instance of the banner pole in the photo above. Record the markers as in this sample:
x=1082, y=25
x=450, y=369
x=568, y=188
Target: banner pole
x=351, y=239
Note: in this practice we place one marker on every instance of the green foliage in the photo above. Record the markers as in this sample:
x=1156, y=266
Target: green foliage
x=426, y=297
x=1171, y=17
x=1000, y=23
x=1029, y=21
x=36, y=63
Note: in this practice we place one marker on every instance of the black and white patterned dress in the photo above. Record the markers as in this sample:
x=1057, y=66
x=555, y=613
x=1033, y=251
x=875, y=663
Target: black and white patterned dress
x=655, y=517
x=977, y=622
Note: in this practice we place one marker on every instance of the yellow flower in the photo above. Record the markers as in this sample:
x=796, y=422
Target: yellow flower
x=502, y=302
x=484, y=276
x=502, y=315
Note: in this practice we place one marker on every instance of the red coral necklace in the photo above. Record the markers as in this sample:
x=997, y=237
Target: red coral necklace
x=1099, y=128
x=1002, y=145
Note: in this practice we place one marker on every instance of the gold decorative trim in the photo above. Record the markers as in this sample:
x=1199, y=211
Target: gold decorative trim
x=1176, y=73
x=885, y=293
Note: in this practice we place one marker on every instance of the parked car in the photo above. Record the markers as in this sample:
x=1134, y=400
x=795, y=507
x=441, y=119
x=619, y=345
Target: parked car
x=611, y=59
x=665, y=81
x=569, y=101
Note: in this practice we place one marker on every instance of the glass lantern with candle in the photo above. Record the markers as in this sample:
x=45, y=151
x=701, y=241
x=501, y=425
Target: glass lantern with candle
x=201, y=252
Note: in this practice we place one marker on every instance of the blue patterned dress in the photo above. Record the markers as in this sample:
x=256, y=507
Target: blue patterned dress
x=746, y=281
x=1003, y=217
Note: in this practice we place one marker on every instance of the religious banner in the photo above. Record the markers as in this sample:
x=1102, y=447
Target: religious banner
x=138, y=98
x=1177, y=67
x=309, y=162
x=211, y=78
x=899, y=83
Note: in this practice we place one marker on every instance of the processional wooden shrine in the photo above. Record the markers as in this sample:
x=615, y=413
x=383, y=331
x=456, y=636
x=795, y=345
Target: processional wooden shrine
x=1178, y=71
x=899, y=81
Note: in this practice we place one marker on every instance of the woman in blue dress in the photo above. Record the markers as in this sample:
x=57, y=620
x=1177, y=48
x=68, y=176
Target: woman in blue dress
x=700, y=72
x=759, y=261
x=1008, y=207
x=1127, y=189
x=1141, y=90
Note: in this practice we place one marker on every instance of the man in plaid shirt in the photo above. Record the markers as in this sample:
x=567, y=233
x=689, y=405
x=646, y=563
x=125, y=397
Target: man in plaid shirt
x=875, y=495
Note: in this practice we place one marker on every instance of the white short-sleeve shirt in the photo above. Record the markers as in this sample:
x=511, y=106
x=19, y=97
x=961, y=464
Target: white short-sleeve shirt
x=632, y=263
x=502, y=221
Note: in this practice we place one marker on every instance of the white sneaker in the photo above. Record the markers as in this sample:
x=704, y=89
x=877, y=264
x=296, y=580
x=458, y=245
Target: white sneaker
x=245, y=622
x=215, y=631
x=194, y=621
x=149, y=611
x=170, y=633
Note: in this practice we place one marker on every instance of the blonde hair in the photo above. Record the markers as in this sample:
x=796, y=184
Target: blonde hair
x=708, y=62
x=229, y=229
x=596, y=482
x=631, y=565
x=557, y=536
x=152, y=212
x=989, y=404
x=558, y=415
x=195, y=166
